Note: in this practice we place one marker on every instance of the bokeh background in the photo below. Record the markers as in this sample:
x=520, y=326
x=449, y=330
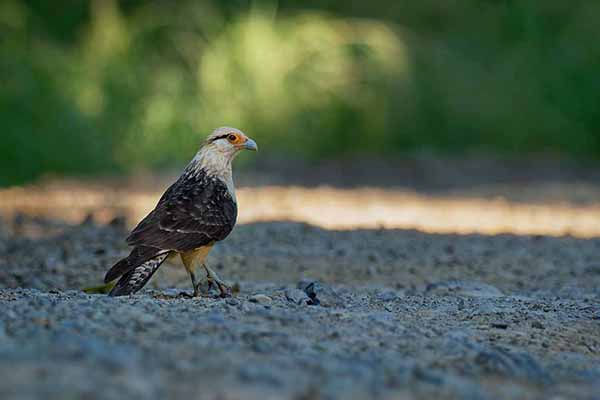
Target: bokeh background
x=430, y=169
x=108, y=87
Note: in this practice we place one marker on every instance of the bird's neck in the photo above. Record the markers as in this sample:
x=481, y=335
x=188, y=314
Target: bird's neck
x=216, y=164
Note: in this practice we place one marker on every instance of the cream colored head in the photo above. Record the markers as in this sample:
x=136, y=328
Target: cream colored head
x=229, y=141
x=218, y=151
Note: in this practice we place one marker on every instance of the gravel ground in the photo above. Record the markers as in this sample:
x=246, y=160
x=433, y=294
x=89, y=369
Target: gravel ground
x=319, y=314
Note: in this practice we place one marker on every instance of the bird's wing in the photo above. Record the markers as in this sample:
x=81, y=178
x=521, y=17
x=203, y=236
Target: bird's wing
x=195, y=211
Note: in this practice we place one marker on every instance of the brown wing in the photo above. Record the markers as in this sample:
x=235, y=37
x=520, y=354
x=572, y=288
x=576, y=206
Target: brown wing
x=195, y=211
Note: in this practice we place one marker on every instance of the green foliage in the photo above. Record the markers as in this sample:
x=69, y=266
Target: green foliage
x=106, y=86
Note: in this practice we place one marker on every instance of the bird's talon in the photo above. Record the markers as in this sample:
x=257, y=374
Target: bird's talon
x=214, y=279
x=225, y=292
x=224, y=289
x=211, y=284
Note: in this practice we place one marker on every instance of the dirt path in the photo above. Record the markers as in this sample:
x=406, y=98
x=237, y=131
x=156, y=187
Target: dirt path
x=401, y=313
x=469, y=279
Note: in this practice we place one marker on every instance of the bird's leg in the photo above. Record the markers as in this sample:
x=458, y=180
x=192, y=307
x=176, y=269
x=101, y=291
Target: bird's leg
x=188, y=260
x=213, y=278
x=195, y=285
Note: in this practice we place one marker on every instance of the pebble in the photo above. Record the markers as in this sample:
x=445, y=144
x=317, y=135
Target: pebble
x=321, y=294
x=261, y=299
x=537, y=325
x=296, y=296
x=232, y=302
x=499, y=324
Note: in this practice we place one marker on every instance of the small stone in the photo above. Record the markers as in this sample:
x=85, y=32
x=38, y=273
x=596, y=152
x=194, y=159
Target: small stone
x=321, y=294
x=261, y=299
x=296, y=296
x=499, y=325
x=232, y=302
x=537, y=325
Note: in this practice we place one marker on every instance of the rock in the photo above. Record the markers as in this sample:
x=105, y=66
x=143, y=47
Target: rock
x=261, y=299
x=296, y=296
x=463, y=288
x=537, y=325
x=232, y=302
x=499, y=325
x=321, y=294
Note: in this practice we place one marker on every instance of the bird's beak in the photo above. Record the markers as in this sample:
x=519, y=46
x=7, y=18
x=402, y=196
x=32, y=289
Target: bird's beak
x=250, y=145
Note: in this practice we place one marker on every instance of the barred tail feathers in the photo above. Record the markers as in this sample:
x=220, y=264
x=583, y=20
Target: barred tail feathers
x=139, y=255
x=135, y=279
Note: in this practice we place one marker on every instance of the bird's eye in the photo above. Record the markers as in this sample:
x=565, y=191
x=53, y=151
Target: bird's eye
x=232, y=138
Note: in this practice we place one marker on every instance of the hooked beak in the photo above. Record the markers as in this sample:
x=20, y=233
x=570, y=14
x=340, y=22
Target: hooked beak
x=250, y=145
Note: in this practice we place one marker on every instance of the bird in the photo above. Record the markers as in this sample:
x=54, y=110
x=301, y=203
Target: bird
x=194, y=213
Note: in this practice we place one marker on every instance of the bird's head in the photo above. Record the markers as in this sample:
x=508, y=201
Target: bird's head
x=229, y=141
x=219, y=149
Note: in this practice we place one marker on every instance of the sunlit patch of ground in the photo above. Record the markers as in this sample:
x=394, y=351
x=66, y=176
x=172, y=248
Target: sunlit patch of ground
x=336, y=208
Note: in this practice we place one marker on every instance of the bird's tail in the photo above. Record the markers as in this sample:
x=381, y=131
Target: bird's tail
x=135, y=270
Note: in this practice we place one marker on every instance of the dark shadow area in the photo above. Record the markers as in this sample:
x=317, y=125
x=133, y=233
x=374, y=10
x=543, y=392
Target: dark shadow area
x=483, y=175
x=46, y=254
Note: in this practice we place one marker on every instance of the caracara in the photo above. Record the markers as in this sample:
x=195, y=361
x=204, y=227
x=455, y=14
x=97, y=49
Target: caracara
x=197, y=211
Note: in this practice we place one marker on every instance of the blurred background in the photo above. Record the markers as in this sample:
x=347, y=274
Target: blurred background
x=109, y=87
x=452, y=116
x=431, y=166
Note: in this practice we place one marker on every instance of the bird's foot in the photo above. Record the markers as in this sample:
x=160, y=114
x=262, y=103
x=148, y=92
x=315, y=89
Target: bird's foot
x=215, y=280
x=224, y=289
x=196, y=291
